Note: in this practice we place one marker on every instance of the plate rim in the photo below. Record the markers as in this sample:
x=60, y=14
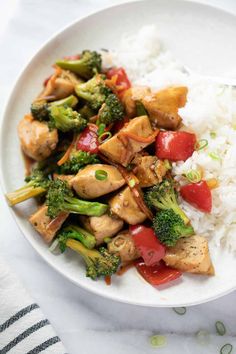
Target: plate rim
x=13, y=90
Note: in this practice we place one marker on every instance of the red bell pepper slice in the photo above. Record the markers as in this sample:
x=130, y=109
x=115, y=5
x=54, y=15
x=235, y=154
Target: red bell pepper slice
x=175, y=146
x=198, y=195
x=150, y=248
x=122, y=78
x=158, y=274
x=88, y=139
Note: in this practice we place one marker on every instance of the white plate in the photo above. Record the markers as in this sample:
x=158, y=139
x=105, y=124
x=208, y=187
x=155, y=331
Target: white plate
x=196, y=34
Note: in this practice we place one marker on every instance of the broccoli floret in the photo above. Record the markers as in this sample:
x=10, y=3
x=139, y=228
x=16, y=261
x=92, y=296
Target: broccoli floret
x=37, y=183
x=94, y=91
x=170, y=227
x=60, y=198
x=76, y=233
x=98, y=262
x=111, y=110
x=87, y=66
x=65, y=119
x=78, y=159
x=163, y=196
x=40, y=109
x=86, y=112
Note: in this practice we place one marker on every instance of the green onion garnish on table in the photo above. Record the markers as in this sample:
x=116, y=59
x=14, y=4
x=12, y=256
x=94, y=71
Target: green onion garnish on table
x=220, y=328
x=157, y=341
x=226, y=349
x=180, y=310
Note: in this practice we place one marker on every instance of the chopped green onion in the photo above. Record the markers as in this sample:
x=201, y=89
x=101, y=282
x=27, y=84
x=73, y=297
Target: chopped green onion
x=107, y=239
x=167, y=164
x=140, y=109
x=193, y=176
x=214, y=156
x=180, y=310
x=226, y=349
x=130, y=167
x=101, y=128
x=201, y=144
x=104, y=137
x=220, y=328
x=203, y=336
x=157, y=341
x=101, y=175
x=132, y=183
x=213, y=135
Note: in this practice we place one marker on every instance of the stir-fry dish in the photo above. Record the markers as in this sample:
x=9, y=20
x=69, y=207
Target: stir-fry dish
x=101, y=153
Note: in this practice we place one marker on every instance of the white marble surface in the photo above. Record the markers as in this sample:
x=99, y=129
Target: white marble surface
x=88, y=324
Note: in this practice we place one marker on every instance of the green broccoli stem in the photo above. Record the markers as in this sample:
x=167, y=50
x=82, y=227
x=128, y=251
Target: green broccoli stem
x=77, y=206
x=72, y=65
x=170, y=202
x=186, y=231
x=77, y=233
x=89, y=256
x=86, y=253
x=26, y=192
x=84, y=95
x=181, y=213
x=70, y=101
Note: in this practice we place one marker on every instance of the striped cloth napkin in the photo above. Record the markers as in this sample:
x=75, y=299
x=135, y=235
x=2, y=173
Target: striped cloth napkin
x=23, y=327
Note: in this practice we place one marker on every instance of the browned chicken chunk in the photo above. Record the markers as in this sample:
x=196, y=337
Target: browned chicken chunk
x=133, y=95
x=37, y=141
x=124, y=205
x=88, y=186
x=163, y=106
x=122, y=147
x=102, y=226
x=46, y=226
x=149, y=170
x=60, y=85
x=123, y=245
x=190, y=254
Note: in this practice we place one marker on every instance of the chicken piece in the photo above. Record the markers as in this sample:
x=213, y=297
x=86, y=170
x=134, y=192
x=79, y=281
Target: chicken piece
x=71, y=77
x=149, y=170
x=37, y=141
x=57, y=89
x=131, y=96
x=102, y=226
x=67, y=178
x=121, y=148
x=46, y=226
x=60, y=85
x=88, y=186
x=190, y=254
x=124, y=205
x=162, y=106
x=123, y=244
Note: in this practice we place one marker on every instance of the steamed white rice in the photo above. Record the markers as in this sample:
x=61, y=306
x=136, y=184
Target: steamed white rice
x=210, y=108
